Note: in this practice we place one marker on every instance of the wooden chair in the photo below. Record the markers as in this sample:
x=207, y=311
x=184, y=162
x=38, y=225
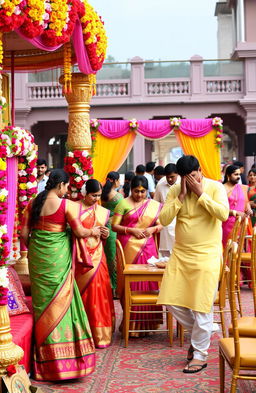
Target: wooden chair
x=247, y=324
x=238, y=352
x=236, y=228
x=221, y=297
x=138, y=298
x=241, y=241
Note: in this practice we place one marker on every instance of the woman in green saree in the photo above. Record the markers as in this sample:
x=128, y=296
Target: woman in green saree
x=64, y=346
x=110, y=198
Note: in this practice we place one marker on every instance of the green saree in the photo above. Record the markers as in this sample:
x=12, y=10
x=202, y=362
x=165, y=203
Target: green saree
x=64, y=346
x=110, y=245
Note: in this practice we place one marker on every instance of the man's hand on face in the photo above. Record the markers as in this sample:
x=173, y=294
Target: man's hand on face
x=194, y=185
x=183, y=189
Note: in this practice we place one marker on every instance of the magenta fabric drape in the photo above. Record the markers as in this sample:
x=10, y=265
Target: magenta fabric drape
x=196, y=128
x=155, y=129
x=12, y=175
x=78, y=43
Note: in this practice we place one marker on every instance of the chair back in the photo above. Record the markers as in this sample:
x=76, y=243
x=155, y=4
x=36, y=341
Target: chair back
x=241, y=241
x=120, y=265
x=235, y=231
x=223, y=273
x=232, y=300
x=253, y=267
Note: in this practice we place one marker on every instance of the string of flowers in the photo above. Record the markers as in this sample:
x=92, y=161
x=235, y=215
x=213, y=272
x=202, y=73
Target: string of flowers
x=133, y=124
x=79, y=166
x=94, y=125
x=14, y=142
x=175, y=122
x=67, y=87
x=94, y=34
x=217, y=123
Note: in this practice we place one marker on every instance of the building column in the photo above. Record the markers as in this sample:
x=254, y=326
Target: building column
x=138, y=151
x=250, y=123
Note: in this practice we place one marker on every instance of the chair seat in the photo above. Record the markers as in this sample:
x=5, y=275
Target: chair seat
x=246, y=257
x=247, y=351
x=246, y=327
x=139, y=297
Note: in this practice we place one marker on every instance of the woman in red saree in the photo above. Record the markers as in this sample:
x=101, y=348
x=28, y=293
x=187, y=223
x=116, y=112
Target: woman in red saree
x=94, y=284
x=64, y=345
x=135, y=221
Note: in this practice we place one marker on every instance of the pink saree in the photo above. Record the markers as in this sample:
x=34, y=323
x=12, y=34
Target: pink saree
x=138, y=251
x=237, y=201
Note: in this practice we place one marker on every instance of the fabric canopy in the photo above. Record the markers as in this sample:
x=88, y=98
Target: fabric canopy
x=196, y=137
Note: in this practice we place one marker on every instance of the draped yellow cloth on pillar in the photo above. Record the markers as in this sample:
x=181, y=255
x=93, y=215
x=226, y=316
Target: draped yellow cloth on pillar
x=205, y=150
x=110, y=154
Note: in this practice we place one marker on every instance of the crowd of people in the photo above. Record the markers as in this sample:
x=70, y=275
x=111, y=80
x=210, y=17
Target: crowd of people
x=72, y=255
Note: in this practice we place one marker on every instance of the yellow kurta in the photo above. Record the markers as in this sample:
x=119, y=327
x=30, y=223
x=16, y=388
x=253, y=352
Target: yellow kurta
x=191, y=275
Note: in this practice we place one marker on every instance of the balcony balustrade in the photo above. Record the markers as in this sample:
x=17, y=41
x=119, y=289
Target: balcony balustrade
x=145, y=82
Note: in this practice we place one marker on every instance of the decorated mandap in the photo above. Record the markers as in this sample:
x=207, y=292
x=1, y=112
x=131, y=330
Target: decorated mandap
x=37, y=35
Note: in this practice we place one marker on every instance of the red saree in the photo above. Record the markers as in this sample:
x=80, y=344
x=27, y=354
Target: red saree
x=94, y=284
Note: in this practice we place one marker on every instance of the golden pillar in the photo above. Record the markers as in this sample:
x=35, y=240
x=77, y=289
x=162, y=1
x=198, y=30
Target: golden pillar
x=79, y=136
x=10, y=353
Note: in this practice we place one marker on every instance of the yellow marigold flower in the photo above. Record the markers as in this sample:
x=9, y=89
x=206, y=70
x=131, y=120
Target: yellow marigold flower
x=21, y=166
x=22, y=186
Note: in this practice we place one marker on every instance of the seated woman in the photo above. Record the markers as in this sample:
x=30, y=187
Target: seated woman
x=110, y=198
x=135, y=221
x=94, y=284
x=64, y=345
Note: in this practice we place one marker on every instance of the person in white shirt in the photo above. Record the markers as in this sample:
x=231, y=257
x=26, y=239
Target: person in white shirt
x=149, y=176
x=167, y=234
x=41, y=176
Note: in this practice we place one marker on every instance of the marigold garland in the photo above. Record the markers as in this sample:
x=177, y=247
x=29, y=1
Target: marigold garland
x=67, y=87
x=94, y=125
x=217, y=123
x=14, y=142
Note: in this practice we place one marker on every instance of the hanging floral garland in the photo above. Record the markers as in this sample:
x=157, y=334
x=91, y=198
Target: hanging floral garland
x=78, y=164
x=94, y=34
x=94, y=125
x=217, y=123
x=14, y=142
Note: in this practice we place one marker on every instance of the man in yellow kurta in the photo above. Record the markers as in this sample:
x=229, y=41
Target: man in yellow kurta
x=191, y=276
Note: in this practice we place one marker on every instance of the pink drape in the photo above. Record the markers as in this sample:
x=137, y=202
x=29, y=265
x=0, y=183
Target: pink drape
x=78, y=43
x=155, y=129
x=12, y=176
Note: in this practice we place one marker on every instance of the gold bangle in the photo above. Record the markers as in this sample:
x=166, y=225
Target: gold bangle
x=234, y=213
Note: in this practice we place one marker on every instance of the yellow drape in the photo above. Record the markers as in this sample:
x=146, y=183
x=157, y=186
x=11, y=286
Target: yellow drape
x=205, y=150
x=110, y=154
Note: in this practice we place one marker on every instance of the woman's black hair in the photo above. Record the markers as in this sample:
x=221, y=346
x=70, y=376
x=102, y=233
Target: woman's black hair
x=229, y=170
x=138, y=181
x=57, y=176
x=111, y=178
x=127, y=183
x=252, y=170
x=92, y=185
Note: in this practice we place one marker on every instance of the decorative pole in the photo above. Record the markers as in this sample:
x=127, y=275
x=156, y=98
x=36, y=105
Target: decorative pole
x=78, y=162
x=79, y=136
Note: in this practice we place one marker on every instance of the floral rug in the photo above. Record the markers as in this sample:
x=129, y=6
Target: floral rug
x=150, y=365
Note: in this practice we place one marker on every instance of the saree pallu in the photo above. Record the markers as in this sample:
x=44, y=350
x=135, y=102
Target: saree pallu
x=110, y=244
x=94, y=284
x=138, y=251
x=64, y=345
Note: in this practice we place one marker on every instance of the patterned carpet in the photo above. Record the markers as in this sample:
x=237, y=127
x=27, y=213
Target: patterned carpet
x=149, y=365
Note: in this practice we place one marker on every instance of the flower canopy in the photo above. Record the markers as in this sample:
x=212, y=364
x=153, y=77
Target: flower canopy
x=49, y=24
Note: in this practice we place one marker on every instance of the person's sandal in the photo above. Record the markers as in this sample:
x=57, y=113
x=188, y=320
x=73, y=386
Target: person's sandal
x=189, y=366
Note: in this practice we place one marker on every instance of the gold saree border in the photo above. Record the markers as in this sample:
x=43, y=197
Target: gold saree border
x=55, y=311
x=67, y=350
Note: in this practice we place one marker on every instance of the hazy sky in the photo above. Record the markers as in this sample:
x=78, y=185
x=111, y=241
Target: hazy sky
x=159, y=29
